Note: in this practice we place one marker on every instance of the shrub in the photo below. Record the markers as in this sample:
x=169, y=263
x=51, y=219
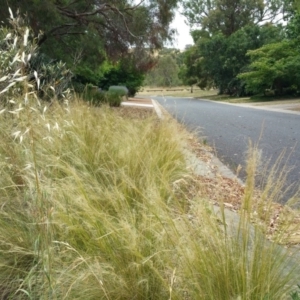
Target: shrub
x=94, y=95
x=120, y=90
x=114, y=98
x=54, y=77
x=25, y=69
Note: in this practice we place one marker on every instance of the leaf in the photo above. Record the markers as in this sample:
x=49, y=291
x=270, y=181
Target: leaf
x=3, y=78
x=7, y=88
x=37, y=79
x=26, y=37
x=16, y=58
x=8, y=36
x=15, y=42
x=10, y=13
x=17, y=73
x=20, y=79
x=23, y=57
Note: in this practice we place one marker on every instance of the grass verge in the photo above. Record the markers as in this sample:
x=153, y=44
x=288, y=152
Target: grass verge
x=94, y=205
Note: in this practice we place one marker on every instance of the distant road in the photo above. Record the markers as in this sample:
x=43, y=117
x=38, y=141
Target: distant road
x=228, y=128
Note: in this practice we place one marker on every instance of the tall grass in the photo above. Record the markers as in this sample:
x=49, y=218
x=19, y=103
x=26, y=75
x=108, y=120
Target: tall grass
x=92, y=206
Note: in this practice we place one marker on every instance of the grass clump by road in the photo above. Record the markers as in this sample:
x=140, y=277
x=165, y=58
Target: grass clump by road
x=94, y=206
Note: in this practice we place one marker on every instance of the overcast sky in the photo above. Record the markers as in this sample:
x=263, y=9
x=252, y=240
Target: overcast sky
x=183, y=38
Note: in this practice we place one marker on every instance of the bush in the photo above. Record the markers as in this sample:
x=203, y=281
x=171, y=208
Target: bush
x=25, y=69
x=123, y=75
x=94, y=95
x=55, y=77
x=114, y=98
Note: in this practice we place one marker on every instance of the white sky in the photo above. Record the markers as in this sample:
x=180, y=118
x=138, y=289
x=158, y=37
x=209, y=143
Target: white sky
x=183, y=38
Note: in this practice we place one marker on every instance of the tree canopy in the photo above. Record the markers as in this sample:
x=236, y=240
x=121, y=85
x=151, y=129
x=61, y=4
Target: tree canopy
x=228, y=30
x=275, y=66
x=92, y=30
x=228, y=16
x=165, y=72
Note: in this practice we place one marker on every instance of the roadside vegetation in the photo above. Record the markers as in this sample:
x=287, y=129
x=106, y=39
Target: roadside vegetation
x=240, y=49
x=96, y=203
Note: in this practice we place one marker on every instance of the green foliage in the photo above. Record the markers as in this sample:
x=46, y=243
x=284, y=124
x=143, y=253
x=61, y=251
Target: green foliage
x=86, y=33
x=25, y=69
x=273, y=67
x=192, y=71
x=54, y=77
x=165, y=72
x=228, y=30
x=226, y=16
x=96, y=97
x=114, y=97
x=120, y=90
x=217, y=59
x=295, y=295
x=93, y=95
x=123, y=74
x=293, y=29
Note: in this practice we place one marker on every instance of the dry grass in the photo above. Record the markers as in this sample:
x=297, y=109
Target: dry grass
x=97, y=203
x=280, y=222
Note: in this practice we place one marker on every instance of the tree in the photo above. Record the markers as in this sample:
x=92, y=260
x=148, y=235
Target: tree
x=192, y=71
x=165, y=73
x=123, y=73
x=228, y=16
x=92, y=31
x=218, y=59
x=275, y=66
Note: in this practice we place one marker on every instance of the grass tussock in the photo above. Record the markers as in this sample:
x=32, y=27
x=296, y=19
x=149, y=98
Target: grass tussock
x=92, y=206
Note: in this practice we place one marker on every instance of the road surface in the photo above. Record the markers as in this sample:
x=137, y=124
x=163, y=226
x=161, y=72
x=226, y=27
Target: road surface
x=230, y=128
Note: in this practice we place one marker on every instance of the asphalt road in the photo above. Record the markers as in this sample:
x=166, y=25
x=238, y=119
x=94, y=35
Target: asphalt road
x=230, y=128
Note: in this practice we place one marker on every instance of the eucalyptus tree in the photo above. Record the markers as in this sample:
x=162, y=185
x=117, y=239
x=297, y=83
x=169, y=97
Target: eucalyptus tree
x=225, y=31
x=92, y=31
x=228, y=16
